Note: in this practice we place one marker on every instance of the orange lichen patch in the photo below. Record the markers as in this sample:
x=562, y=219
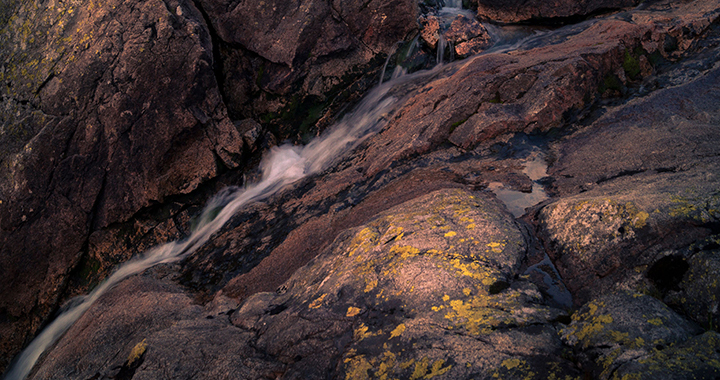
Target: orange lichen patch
x=352, y=311
x=318, y=302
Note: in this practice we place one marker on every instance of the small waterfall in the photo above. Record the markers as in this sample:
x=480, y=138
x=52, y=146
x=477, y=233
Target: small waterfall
x=453, y=4
x=441, y=46
x=282, y=166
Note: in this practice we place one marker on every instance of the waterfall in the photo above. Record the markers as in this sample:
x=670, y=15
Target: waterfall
x=441, y=46
x=282, y=166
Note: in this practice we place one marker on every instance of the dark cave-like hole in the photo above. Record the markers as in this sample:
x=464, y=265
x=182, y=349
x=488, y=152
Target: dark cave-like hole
x=277, y=309
x=498, y=287
x=667, y=272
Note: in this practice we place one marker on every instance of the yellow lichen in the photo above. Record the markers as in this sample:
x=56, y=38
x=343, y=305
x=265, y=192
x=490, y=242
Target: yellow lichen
x=511, y=363
x=352, y=311
x=450, y=234
x=318, y=302
x=137, y=352
x=397, y=331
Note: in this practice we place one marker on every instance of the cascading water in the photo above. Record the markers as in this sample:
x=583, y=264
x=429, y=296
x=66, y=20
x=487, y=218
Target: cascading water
x=284, y=165
x=281, y=167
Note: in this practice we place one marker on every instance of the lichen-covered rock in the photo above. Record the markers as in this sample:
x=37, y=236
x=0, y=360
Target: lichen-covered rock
x=696, y=358
x=393, y=289
x=428, y=289
x=624, y=327
x=526, y=10
x=646, y=180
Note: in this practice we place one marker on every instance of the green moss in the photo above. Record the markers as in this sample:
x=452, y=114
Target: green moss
x=610, y=82
x=631, y=64
x=456, y=124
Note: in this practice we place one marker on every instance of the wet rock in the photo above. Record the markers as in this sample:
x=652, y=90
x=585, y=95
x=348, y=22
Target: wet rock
x=624, y=328
x=467, y=36
x=108, y=109
x=531, y=10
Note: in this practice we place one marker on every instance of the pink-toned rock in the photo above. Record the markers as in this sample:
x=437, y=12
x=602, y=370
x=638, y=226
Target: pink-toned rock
x=525, y=10
x=467, y=36
x=430, y=32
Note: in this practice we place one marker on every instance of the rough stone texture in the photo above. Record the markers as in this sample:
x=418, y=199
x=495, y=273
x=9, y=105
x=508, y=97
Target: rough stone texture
x=379, y=301
x=626, y=327
x=467, y=36
x=289, y=63
x=691, y=283
x=526, y=10
x=618, y=222
x=107, y=108
x=696, y=358
x=647, y=176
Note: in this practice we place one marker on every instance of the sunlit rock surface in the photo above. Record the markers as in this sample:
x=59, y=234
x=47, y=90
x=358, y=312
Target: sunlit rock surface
x=428, y=288
x=397, y=261
x=527, y=10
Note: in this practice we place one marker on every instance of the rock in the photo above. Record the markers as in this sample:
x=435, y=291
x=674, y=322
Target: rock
x=467, y=36
x=621, y=328
x=531, y=10
x=147, y=328
x=379, y=300
x=645, y=183
x=290, y=64
x=695, y=358
x=690, y=283
x=531, y=90
x=107, y=109
x=430, y=32
x=389, y=290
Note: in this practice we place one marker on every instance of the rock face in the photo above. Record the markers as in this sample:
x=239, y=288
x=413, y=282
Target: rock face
x=289, y=63
x=109, y=109
x=378, y=302
x=526, y=10
x=397, y=261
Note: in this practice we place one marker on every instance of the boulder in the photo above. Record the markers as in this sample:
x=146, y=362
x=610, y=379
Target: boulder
x=467, y=36
x=107, y=109
x=291, y=63
x=645, y=181
x=621, y=329
x=534, y=10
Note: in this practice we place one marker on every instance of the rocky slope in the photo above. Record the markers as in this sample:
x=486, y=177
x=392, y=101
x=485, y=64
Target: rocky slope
x=396, y=262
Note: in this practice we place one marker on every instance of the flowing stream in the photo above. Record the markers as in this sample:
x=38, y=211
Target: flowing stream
x=282, y=166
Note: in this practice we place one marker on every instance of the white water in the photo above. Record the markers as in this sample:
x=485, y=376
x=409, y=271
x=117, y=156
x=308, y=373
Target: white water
x=284, y=165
